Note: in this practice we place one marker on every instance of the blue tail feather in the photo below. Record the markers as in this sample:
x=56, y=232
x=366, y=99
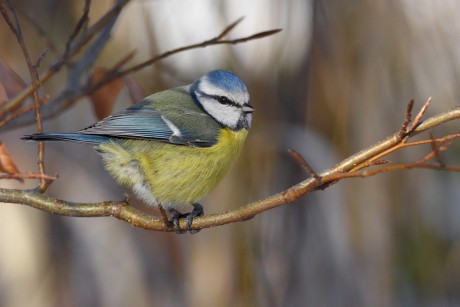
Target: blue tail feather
x=73, y=137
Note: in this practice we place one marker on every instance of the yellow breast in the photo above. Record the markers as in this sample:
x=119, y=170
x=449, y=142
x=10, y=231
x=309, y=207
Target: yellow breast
x=170, y=174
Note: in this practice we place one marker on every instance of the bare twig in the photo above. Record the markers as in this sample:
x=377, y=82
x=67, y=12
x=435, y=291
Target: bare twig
x=375, y=162
x=38, y=62
x=436, y=149
x=407, y=119
x=29, y=175
x=78, y=27
x=304, y=163
x=229, y=28
x=214, y=41
x=16, y=29
x=394, y=142
x=106, y=23
x=7, y=19
x=393, y=167
x=118, y=65
x=19, y=112
x=419, y=116
x=436, y=120
x=41, y=32
x=443, y=139
x=77, y=89
x=121, y=210
x=251, y=37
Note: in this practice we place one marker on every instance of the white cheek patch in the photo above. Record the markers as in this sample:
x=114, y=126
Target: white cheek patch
x=225, y=114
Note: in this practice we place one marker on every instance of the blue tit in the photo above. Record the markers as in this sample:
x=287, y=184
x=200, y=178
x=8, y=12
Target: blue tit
x=173, y=147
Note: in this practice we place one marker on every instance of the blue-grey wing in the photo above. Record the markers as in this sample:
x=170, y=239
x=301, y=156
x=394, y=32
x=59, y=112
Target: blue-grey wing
x=177, y=125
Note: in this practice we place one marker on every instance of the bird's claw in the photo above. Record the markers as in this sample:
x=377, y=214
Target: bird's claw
x=176, y=215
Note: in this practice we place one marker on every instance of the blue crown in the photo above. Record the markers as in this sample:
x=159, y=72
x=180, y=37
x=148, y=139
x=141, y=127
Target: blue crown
x=226, y=80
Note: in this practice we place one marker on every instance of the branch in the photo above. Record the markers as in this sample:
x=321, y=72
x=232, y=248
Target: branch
x=79, y=84
x=345, y=169
x=218, y=40
x=28, y=176
x=304, y=164
x=16, y=29
x=106, y=23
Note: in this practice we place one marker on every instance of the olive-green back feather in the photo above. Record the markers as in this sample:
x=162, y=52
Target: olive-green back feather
x=171, y=116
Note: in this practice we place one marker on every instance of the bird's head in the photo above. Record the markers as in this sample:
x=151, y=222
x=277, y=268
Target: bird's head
x=224, y=96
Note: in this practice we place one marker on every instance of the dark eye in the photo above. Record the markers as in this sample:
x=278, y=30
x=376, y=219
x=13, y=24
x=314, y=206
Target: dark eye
x=224, y=100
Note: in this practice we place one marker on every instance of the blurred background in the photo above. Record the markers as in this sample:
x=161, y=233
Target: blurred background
x=335, y=80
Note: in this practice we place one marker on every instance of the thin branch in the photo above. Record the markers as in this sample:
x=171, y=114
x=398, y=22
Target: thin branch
x=38, y=62
x=394, y=142
x=29, y=175
x=304, y=163
x=251, y=37
x=436, y=149
x=75, y=90
x=7, y=19
x=41, y=32
x=443, y=139
x=84, y=19
x=215, y=41
x=104, y=22
x=229, y=28
x=436, y=120
x=16, y=29
x=375, y=162
x=19, y=112
x=128, y=57
x=121, y=210
x=418, y=118
x=407, y=119
x=393, y=167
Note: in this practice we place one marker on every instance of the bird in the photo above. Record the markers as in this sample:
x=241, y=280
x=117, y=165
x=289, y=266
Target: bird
x=173, y=147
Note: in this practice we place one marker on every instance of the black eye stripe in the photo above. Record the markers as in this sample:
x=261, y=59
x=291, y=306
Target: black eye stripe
x=224, y=100
x=221, y=99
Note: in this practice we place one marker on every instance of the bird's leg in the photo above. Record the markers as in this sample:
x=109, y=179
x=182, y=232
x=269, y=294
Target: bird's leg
x=176, y=215
x=197, y=211
x=164, y=216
